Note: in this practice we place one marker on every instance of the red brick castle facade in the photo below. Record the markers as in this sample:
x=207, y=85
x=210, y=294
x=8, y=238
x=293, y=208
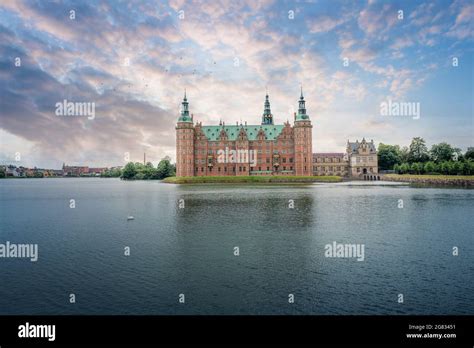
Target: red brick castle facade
x=242, y=149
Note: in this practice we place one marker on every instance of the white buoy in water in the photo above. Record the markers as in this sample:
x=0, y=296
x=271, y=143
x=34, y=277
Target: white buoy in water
x=130, y=217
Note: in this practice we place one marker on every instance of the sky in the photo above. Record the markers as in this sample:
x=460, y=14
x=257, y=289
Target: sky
x=133, y=60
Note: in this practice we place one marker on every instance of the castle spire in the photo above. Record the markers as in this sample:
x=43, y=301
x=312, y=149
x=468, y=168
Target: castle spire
x=302, y=108
x=267, y=117
x=184, y=117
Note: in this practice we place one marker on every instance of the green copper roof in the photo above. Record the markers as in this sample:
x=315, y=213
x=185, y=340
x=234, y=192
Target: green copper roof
x=271, y=131
x=301, y=117
x=185, y=118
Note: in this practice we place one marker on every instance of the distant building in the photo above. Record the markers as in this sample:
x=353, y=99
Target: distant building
x=81, y=171
x=330, y=164
x=359, y=161
x=363, y=160
x=96, y=171
x=12, y=170
x=75, y=170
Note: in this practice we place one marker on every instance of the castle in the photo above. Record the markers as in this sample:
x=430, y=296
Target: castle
x=265, y=149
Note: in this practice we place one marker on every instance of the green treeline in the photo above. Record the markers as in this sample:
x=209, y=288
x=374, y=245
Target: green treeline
x=139, y=171
x=442, y=158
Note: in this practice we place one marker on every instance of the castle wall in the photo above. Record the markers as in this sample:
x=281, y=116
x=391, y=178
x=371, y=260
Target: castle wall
x=303, y=148
x=184, y=149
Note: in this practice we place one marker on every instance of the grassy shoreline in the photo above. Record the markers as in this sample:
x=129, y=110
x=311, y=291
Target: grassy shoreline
x=250, y=179
x=443, y=180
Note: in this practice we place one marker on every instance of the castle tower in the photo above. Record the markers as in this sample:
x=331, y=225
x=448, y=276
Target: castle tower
x=303, y=140
x=185, y=141
x=267, y=117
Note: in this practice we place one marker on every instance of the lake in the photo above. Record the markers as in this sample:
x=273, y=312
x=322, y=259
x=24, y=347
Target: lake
x=184, y=239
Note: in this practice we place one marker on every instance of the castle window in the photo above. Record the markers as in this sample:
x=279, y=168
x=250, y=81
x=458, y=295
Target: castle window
x=268, y=160
x=245, y=169
x=260, y=168
x=291, y=168
x=233, y=169
x=202, y=169
x=291, y=159
x=284, y=168
x=240, y=169
x=225, y=169
x=219, y=169
x=268, y=168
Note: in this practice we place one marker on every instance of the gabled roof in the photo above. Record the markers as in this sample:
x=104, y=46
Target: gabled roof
x=271, y=131
x=355, y=146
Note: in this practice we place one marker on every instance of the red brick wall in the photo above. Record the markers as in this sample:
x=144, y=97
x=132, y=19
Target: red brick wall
x=185, y=149
x=303, y=147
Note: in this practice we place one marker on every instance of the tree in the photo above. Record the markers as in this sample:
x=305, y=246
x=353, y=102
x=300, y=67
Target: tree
x=445, y=167
x=415, y=168
x=429, y=167
x=148, y=171
x=469, y=167
x=458, y=167
x=442, y=152
x=165, y=169
x=418, y=151
x=388, y=156
x=469, y=155
x=396, y=168
x=404, y=154
x=404, y=168
x=129, y=171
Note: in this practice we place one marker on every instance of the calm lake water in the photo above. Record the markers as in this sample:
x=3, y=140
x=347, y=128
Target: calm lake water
x=191, y=251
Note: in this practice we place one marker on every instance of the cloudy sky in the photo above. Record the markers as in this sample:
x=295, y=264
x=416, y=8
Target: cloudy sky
x=133, y=60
